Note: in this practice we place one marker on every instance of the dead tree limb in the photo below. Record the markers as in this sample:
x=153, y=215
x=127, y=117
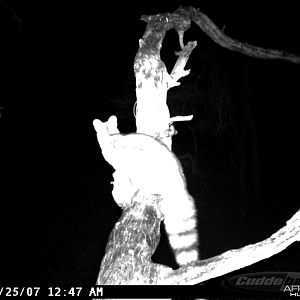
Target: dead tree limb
x=152, y=79
x=218, y=36
x=239, y=258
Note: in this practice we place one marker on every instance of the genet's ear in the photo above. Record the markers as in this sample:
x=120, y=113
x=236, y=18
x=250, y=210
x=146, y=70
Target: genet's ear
x=97, y=124
x=113, y=121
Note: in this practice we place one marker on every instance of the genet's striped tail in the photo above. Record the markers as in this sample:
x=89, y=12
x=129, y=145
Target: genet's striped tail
x=181, y=227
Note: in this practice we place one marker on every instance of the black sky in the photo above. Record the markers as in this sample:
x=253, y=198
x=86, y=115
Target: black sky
x=61, y=64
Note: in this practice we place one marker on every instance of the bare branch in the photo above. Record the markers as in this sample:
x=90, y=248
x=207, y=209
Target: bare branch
x=181, y=118
x=152, y=78
x=218, y=36
x=178, y=70
x=239, y=258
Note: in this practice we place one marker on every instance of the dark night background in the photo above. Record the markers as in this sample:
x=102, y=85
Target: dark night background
x=63, y=65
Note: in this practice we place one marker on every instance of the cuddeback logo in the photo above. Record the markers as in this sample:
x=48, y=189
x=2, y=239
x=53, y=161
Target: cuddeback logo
x=283, y=282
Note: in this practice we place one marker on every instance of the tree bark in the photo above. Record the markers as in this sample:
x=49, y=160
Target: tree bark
x=131, y=244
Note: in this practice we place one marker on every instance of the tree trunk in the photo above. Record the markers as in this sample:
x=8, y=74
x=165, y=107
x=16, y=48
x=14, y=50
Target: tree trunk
x=131, y=244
